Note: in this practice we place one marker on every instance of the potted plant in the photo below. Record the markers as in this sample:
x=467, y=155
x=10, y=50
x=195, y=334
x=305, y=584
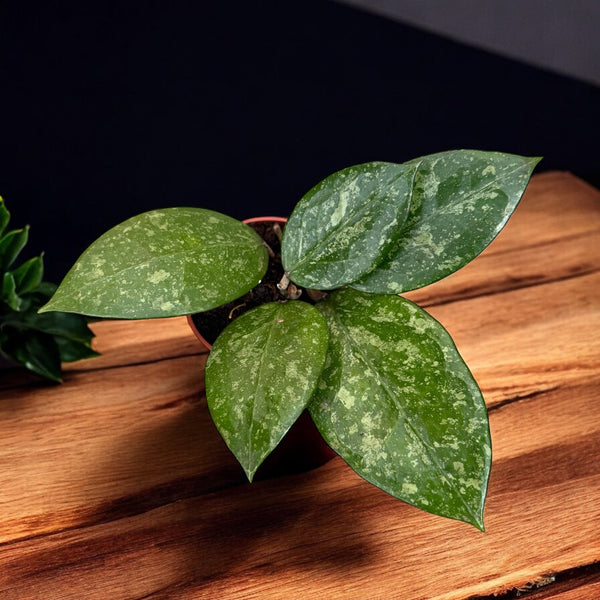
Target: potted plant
x=381, y=379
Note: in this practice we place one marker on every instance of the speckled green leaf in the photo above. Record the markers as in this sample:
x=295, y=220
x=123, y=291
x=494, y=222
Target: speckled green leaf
x=398, y=403
x=344, y=225
x=260, y=375
x=163, y=263
x=461, y=201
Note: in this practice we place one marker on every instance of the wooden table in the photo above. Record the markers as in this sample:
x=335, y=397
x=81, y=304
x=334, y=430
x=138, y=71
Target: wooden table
x=115, y=484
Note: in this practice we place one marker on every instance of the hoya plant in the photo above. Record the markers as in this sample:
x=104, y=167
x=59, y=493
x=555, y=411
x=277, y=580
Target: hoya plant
x=38, y=342
x=381, y=379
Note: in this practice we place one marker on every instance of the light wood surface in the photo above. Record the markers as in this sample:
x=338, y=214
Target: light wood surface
x=115, y=484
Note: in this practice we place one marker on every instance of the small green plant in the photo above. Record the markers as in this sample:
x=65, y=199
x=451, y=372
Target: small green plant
x=39, y=342
x=382, y=380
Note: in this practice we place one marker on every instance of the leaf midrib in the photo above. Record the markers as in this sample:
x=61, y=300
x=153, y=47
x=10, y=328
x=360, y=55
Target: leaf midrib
x=271, y=324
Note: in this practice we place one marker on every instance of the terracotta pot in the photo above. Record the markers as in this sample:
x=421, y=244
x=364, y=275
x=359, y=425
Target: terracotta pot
x=303, y=448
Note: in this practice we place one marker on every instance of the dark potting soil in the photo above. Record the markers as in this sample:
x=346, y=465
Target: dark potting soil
x=212, y=322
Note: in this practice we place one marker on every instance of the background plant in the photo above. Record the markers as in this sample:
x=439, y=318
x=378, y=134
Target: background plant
x=382, y=379
x=40, y=342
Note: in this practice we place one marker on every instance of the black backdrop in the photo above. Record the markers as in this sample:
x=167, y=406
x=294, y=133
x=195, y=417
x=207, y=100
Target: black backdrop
x=112, y=108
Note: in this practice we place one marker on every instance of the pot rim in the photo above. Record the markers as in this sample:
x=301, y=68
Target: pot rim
x=266, y=219
x=190, y=321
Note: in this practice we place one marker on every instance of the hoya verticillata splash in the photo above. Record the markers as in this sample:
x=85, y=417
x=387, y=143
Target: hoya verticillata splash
x=382, y=380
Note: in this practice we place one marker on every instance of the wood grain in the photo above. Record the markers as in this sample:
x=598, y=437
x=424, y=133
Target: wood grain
x=116, y=484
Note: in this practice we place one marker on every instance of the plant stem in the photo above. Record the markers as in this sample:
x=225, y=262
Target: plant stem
x=283, y=284
x=287, y=289
x=316, y=295
x=293, y=292
x=234, y=309
x=269, y=249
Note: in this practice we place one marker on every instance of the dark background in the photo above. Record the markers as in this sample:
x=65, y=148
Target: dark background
x=109, y=109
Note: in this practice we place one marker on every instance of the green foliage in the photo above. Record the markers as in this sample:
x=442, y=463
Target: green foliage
x=460, y=202
x=39, y=342
x=260, y=375
x=346, y=223
x=397, y=402
x=168, y=262
x=382, y=380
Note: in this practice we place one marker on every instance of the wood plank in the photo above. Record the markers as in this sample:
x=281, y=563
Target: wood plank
x=528, y=340
x=252, y=540
x=584, y=591
x=164, y=397
x=555, y=463
x=122, y=343
x=145, y=432
x=125, y=343
x=116, y=483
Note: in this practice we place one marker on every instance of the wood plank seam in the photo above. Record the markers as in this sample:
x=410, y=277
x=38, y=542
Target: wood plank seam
x=137, y=364
x=523, y=397
x=546, y=585
x=517, y=285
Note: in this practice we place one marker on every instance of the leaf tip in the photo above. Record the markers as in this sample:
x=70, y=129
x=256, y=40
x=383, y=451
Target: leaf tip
x=55, y=305
x=535, y=161
x=250, y=473
x=478, y=523
x=475, y=518
x=46, y=308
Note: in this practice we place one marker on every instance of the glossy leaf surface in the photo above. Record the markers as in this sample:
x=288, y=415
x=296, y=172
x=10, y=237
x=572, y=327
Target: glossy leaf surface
x=344, y=226
x=163, y=263
x=461, y=201
x=260, y=375
x=397, y=402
